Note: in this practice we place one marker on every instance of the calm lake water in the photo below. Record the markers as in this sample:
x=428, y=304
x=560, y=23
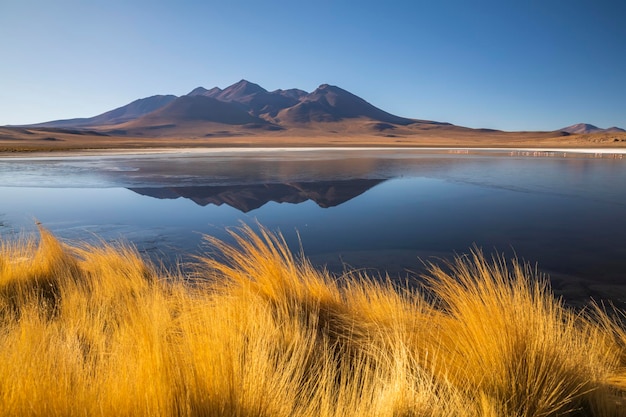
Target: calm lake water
x=383, y=210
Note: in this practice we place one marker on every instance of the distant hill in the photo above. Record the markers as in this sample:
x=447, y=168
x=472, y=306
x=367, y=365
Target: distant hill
x=583, y=128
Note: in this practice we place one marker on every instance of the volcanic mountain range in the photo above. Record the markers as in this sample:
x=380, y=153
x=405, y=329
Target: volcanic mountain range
x=246, y=114
x=243, y=104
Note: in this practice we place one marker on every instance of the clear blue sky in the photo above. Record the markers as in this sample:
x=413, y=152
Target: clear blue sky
x=513, y=65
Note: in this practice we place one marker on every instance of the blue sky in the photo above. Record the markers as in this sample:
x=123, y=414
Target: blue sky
x=512, y=65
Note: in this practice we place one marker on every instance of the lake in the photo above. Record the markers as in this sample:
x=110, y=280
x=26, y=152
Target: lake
x=373, y=209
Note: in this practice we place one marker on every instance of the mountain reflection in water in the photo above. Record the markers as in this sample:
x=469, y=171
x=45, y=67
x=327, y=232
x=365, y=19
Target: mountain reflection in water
x=387, y=208
x=247, y=197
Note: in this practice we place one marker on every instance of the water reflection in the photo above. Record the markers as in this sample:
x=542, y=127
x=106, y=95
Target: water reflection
x=366, y=209
x=249, y=197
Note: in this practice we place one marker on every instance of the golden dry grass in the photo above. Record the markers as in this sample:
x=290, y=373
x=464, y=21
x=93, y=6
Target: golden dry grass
x=97, y=331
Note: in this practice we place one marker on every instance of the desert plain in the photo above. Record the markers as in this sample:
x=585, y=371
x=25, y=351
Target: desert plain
x=28, y=140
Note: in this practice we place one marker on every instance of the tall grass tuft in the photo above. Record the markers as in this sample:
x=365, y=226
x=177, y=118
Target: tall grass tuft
x=257, y=331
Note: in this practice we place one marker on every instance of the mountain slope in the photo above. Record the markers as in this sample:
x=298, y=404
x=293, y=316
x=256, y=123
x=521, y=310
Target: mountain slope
x=330, y=104
x=122, y=114
x=294, y=93
x=201, y=91
x=198, y=108
x=585, y=128
x=259, y=101
x=240, y=91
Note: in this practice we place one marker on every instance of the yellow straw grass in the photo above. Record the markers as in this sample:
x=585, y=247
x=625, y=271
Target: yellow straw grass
x=257, y=331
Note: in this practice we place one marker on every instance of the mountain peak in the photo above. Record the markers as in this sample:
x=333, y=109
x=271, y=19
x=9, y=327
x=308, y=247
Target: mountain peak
x=294, y=93
x=329, y=103
x=244, y=82
x=330, y=88
x=201, y=91
x=581, y=128
x=198, y=91
x=240, y=89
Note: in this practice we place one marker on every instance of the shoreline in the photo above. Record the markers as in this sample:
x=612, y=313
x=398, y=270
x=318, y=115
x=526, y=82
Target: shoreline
x=616, y=152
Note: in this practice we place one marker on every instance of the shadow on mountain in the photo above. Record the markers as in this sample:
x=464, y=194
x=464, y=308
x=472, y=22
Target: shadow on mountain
x=248, y=197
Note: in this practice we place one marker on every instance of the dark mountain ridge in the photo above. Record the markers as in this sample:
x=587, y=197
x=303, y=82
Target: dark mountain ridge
x=198, y=108
x=330, y=103
x=243, y=103
x=248, y=197
x=253, y=98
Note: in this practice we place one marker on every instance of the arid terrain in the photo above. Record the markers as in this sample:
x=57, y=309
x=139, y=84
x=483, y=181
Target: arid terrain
x=246, y=115
x=19, y=140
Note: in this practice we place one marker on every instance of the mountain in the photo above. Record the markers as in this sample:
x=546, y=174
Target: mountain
x=209, y=112
x=582, y=128
x=330, y=104
x=241, y=91
x=246, y=110
x=122, y=114
x=201, y=91
x=194, y=109
x=247, y=197
x=254, y=98
x=294, y=93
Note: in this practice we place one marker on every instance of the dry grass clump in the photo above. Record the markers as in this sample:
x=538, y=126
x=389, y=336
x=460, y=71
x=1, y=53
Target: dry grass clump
x=95, y=330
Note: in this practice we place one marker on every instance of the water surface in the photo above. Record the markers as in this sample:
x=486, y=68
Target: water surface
x=383, y=210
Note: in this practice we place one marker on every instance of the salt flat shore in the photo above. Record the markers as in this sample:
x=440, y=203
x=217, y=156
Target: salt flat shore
x=521, y=151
